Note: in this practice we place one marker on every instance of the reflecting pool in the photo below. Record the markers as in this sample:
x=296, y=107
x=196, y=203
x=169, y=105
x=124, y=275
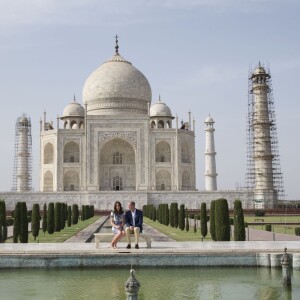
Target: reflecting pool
x=158, y=284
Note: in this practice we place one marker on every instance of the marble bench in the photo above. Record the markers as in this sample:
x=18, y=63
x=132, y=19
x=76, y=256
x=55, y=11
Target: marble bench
x=109, y=235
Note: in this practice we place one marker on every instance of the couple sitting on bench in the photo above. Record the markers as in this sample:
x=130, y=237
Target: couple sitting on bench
x=126, y=224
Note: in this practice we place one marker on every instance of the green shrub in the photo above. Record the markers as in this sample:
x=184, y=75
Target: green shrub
x=181, y=217
x=231, y=221
x=222, y=223
x=35, y=220
x=172, y=215
x=23, y=237
x=50, y=218
x=268, y=227
x=297, y=231
x=154, y=214
x=75, y=214
x=191, y=216
x=259, y=213
x=44, y=223
x=57, y=217
x=3, y=222
x=187, y=223
x=212, y=226
x=82, y=213
x=9, y=222
x=203, y=220
x=69, y=223
x=17, y=219
x=238, y=222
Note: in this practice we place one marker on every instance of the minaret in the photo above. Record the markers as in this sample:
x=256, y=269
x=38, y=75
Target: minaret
x=210, y=156
x=265, y=194
x=22, y=180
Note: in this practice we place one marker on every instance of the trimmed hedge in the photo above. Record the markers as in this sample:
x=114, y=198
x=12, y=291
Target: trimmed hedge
x=238, y=222
x=297, y=231
x=203, y=220
x=181, y=217
x=212, y=226
x=35, y=220
x=222, y=223
x=268, y=227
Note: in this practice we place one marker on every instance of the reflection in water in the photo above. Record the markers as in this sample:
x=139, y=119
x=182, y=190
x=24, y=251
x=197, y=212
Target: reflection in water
x=159, y=283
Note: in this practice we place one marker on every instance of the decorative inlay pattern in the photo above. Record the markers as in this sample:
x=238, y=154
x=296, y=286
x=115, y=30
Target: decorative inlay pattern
x=130, y=136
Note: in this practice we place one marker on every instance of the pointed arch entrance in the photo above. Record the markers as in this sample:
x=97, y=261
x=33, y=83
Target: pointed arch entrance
x=117, y=166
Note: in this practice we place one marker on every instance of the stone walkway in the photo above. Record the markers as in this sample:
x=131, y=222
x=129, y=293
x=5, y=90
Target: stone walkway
x=84, y=236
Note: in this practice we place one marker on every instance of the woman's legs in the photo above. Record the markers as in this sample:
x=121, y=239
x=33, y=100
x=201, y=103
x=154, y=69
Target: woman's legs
x=116, y=238
x=120, y=236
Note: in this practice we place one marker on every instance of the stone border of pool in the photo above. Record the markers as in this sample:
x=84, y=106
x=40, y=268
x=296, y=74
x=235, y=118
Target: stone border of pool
x=162, y=254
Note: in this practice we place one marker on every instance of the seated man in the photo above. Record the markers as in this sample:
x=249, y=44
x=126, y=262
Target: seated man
x=134, y=224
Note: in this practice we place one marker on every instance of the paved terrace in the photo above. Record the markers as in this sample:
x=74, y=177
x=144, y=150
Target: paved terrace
x=261, y=250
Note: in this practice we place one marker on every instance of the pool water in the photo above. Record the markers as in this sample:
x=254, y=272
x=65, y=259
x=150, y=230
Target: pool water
x=156, y=284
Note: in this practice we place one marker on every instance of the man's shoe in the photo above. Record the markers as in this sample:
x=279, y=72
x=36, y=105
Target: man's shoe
x=137, y=246
x=128, y=246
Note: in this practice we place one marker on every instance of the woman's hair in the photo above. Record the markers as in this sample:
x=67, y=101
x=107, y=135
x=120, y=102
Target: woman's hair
x=120, y=211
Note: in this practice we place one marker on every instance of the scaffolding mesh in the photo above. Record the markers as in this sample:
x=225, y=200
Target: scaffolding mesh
x=22, y=175
x=252, y=141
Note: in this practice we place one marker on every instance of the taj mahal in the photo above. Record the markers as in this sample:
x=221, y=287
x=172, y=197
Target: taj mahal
x=121, y=145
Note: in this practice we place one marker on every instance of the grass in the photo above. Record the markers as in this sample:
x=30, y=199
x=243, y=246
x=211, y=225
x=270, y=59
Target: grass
x=60, y=237
x=285, y=229
x=177, y=234
x=183, y=236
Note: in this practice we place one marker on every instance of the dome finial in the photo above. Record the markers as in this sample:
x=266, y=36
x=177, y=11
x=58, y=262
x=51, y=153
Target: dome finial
x=74, y=98
x=117, y=46
x=259, y=63
x=159, y=99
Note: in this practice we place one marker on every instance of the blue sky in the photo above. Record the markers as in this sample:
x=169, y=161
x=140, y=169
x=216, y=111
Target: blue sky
x=195, y=53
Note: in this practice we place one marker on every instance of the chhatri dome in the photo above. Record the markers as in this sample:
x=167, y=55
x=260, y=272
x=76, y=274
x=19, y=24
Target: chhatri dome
x=160, y=109
x=73, y=109
x=117, y=87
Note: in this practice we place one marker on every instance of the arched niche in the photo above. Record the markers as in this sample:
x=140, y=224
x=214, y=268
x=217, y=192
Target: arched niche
x=48, y=182
x=186, y=180
x=48, y=153
x=163, y=152
x=71, y=181
x=71, y=152
x=185, y=153
x=163, y=180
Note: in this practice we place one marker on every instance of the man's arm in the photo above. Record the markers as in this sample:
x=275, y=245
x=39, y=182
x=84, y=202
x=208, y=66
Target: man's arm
x=139, y=220
x=127, y=219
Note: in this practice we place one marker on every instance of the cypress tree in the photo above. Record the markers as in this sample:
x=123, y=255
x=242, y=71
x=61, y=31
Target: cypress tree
x=44, y=223
x=203, y=219
x=35, y=220
x=57, y=217
x=222, y=221
x=167, y=215
x=75, y=214
x=181, y=217
x=154, y=214
x=62, y=216
x=69, y=216
x=238, y=221
x=3, y=226
x=159, y=214
x=50, y=218
x=92, y=210
x=171, y=215
x=82, y=213
x=175, y=215
x=17, y=219
x=212, y=226
x=23, y=237
x=144, y=210
x=187, y=222
x=195, y=225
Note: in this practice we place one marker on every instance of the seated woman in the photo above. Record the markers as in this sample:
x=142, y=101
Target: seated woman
x=117, y=221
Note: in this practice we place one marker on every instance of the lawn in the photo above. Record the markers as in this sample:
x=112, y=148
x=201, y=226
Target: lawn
x=182, y=236
x=177, y=234
x=60, y=237
x=286, y=229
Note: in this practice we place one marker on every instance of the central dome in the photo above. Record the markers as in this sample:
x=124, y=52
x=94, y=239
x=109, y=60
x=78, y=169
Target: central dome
x=117, y=87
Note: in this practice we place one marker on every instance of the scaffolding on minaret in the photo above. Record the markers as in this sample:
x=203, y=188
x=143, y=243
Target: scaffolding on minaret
x=22, y=176
x=254, y=142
